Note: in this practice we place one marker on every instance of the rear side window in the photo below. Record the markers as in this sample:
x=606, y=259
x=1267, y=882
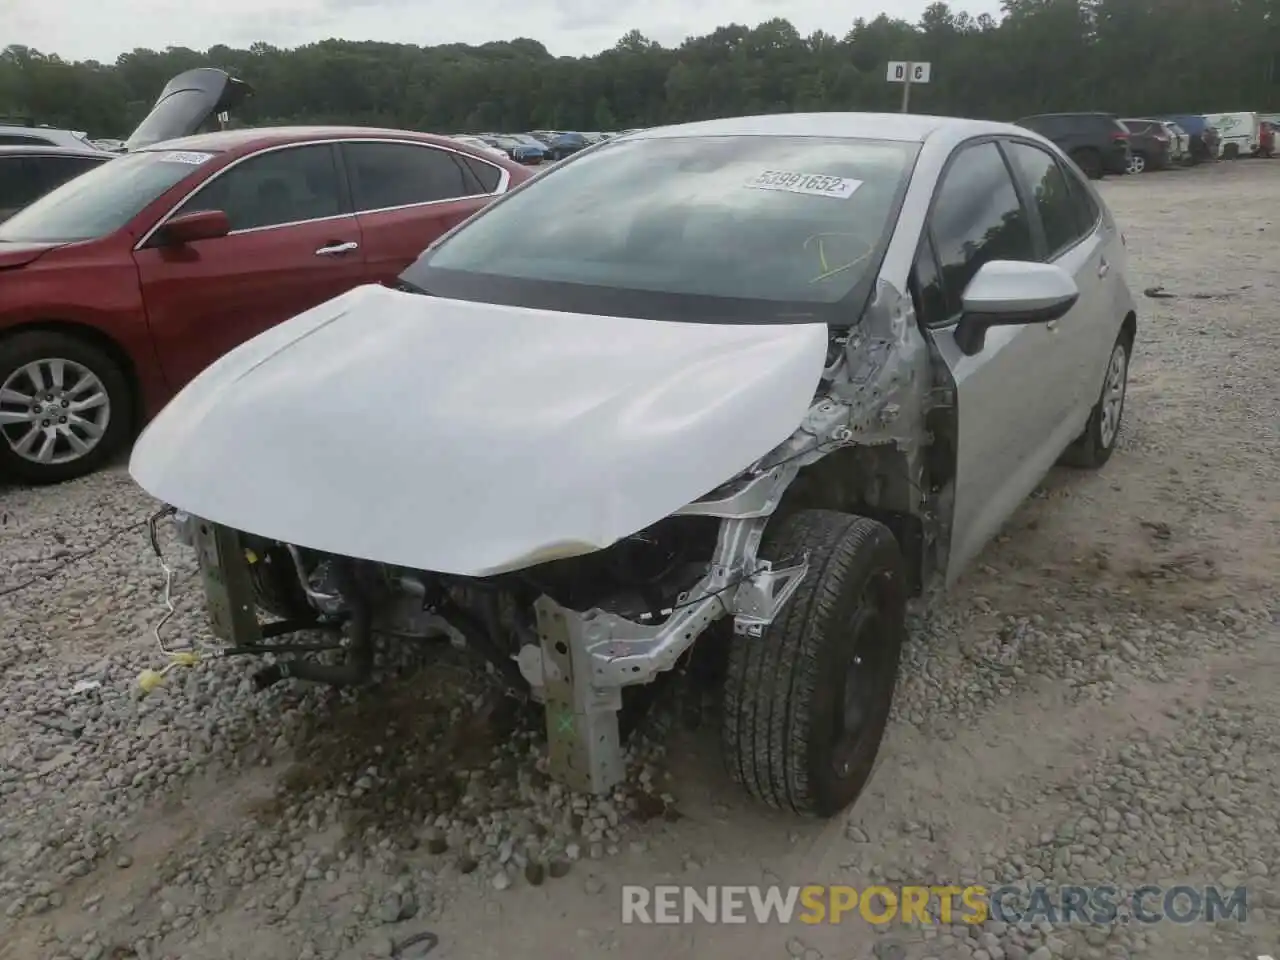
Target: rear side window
x=486, y=174
x=977, y=218
x=385, y=175
x=19, y=183
x=1044, y=180
x=55, y=171
x=1086, y=208
x=18, y=140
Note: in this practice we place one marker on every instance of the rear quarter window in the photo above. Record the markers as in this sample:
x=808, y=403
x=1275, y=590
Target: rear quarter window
x=488, y=175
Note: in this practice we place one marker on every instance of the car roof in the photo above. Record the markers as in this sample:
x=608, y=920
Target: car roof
x=1072, y=113
x=907, y=128
x=53, y=150
x=58, y=135
x=251, y=138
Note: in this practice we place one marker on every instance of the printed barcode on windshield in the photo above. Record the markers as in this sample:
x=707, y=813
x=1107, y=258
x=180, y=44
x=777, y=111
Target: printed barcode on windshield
x=810, y=184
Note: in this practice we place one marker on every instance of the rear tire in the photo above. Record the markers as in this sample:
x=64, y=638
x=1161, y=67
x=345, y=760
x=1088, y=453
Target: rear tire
x=1137, y=163
x=1089, y=161
x=1094, y=447
x=806, y=704
x=102, y=429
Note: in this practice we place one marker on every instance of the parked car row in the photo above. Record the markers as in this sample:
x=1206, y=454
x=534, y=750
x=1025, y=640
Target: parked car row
x=538, y=146
x=1103, y=143
x=123, y=282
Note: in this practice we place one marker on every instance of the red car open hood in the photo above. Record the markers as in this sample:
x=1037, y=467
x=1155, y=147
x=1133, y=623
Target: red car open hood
x=20, y=254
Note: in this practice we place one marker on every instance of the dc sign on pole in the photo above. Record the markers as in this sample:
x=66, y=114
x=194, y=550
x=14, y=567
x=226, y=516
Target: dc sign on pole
x=907, y=73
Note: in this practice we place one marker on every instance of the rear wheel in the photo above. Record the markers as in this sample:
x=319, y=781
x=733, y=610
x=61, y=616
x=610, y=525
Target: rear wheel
x=1094, y=447
x=806, y=704
x=65, y=407
x=1231, y=151
x=1089, y=161
x=1137, y=163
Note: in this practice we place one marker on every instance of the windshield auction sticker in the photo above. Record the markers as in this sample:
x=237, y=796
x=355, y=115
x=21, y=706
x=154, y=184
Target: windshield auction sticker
x=809, y=184
x=184, y=156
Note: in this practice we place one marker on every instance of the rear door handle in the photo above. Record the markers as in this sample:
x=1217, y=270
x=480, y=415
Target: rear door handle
x=1104, y=268
x=337, y=249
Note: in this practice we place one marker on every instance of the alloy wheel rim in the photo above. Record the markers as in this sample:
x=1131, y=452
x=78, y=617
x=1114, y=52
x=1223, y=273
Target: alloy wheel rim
x=1137, y=165
x=1113, y=396
x=53, y=411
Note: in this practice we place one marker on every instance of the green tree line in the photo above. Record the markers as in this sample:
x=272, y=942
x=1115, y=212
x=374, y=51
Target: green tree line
x=1132, y=57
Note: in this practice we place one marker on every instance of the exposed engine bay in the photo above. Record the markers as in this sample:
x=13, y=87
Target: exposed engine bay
x=570, y=633
x=572, y=625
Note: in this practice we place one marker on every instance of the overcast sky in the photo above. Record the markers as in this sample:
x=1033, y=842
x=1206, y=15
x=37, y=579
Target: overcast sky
x=102, y=29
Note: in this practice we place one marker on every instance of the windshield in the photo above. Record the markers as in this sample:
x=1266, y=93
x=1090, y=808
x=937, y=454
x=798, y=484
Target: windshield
x=724, y=229
x=101, y=201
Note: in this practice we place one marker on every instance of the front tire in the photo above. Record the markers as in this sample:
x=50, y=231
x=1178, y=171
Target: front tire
x=806, y=704
x=65, y=407
x=1094, y=447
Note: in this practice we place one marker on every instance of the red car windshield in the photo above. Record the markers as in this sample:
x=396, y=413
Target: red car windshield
x=103, y=200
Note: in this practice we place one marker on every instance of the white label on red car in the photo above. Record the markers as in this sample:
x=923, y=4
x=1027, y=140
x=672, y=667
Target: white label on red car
x=185, y=156
x=809, y=184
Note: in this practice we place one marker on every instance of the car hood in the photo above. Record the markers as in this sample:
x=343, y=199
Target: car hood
x=187, y=101
x=470, y=438
x=20, y=254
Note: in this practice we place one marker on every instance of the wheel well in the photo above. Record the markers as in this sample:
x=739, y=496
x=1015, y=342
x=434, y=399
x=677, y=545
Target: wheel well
x=100, y=340
x=1129, y=329
x=872, y=482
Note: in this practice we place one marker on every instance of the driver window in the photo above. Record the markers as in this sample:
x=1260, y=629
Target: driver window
x=275, y=188
x=976, y=218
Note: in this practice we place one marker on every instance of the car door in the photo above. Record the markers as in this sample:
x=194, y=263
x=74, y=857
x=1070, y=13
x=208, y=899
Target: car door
x=408, y=193
x=1009, y=394
x=294, y=243
x=1069, y=228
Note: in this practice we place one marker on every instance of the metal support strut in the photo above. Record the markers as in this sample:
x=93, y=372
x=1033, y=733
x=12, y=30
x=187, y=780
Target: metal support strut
x=586, y=658
x=582, y=722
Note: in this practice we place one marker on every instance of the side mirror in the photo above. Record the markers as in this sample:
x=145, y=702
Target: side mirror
x=190, y=227
x=1012, y=293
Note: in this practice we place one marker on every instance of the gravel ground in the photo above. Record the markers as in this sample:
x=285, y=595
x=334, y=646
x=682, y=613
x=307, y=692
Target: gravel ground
x=1094, y=703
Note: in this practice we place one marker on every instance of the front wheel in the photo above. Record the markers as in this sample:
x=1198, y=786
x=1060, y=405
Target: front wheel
x=806, y=704
x=65, y=407
x=1094, y=447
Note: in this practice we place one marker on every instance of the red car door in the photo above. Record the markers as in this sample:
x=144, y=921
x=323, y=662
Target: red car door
x=407, y=194
x=294, y=244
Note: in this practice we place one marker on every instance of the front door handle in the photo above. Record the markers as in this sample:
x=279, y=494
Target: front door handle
x=337, y=249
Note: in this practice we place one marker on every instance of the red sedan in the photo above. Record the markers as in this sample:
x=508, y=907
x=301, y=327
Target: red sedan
x=120, y=286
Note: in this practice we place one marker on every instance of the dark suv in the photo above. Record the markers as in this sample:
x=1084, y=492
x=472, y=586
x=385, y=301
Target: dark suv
x=1097, y=142
x=30, y=172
